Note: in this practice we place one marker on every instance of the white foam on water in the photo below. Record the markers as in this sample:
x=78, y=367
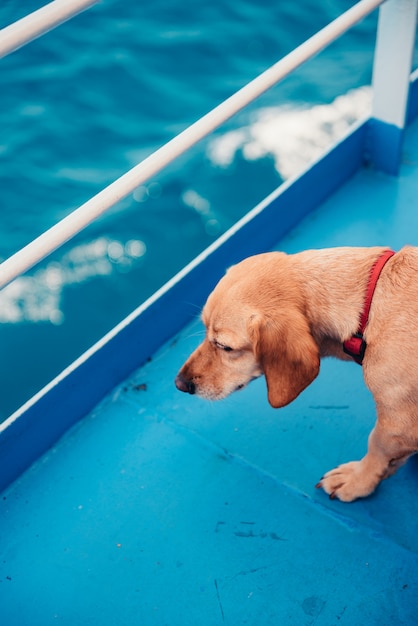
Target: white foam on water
x=37, y=297
x=293, y=137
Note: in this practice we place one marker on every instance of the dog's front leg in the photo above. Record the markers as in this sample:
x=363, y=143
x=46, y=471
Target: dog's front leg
x=358, y=479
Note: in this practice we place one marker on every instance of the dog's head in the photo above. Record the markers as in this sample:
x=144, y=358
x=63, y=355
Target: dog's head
x=255, y=325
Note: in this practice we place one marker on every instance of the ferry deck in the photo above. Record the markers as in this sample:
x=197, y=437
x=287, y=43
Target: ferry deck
x=159, y=508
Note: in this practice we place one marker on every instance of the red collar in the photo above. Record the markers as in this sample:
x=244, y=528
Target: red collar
x=356, y=346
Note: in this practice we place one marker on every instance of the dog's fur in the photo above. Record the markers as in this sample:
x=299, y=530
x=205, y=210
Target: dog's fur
x=278, y=314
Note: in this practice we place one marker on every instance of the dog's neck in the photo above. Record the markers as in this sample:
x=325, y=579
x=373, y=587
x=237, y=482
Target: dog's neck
x=337, y=283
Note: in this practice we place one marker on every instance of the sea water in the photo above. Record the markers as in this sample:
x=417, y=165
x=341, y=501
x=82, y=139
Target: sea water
x=91, y=99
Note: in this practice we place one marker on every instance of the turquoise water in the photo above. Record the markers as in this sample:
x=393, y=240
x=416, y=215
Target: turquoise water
x=88, y=101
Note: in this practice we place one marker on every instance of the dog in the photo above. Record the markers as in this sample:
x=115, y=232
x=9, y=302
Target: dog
x=277, y=315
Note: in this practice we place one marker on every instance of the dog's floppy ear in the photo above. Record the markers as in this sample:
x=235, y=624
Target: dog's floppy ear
x=287, y=354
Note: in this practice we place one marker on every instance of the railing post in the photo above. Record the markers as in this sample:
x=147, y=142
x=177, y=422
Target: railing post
x=391, y=78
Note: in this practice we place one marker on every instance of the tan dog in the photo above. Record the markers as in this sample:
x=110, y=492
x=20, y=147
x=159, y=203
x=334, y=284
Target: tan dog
x=278, y=314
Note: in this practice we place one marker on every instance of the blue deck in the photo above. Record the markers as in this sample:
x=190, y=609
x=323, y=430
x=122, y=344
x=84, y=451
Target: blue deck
x=162, y=509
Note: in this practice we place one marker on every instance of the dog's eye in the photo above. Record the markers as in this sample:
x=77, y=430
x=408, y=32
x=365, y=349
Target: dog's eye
x=224, y=348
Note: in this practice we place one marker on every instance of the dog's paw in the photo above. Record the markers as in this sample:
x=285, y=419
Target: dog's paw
x=348, y=482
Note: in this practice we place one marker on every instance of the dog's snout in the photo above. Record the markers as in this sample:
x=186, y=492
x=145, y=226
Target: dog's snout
x=187, y=386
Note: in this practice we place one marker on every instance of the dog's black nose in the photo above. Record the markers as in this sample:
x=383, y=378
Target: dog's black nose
x=187, y=386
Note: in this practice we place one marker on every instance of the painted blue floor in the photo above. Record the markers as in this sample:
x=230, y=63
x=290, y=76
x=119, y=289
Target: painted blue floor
x=162, y=509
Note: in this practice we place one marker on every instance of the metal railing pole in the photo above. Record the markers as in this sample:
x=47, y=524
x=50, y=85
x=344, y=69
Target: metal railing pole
x=39, y=22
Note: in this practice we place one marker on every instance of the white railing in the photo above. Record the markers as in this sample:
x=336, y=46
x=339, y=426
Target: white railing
x=64, y=230
x=40, y=22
